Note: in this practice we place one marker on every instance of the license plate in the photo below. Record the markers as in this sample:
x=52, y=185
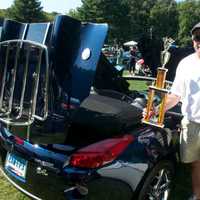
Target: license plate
x=16, y=166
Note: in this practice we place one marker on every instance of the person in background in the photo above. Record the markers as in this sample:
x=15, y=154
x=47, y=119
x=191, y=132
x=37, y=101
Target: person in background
x=186, y=89
x=132, y=59
x=140, y=67
x=120, y=52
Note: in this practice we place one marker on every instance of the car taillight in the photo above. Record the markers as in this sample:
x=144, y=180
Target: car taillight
x=101, y=153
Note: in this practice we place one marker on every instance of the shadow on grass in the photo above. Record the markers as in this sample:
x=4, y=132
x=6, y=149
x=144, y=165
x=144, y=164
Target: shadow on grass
x=182, y=185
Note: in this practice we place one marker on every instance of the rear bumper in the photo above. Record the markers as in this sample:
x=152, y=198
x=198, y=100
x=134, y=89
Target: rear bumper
x=55, y=186
x=47, y=179
x=47, y=185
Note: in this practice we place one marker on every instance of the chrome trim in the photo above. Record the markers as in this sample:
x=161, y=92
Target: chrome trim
x=4, y=76
x=24, y=84
x=45, y=35
x=13, y=73
x=24, y=32
x=24, y=48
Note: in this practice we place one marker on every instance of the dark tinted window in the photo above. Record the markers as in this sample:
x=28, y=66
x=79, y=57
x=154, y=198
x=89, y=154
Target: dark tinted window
x=12, y=30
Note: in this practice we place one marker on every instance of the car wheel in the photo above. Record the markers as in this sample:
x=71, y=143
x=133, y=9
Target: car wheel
x=158, y=183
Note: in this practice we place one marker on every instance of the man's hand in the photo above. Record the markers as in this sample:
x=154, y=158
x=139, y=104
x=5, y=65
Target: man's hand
x=153, y=112
x=171, y=101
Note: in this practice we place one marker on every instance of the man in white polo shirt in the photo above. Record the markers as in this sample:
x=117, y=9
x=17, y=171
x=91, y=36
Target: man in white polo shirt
x=186, y=88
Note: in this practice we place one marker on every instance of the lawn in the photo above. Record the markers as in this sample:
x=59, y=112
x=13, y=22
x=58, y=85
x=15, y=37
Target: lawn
x=181, y=190
x=8, y=192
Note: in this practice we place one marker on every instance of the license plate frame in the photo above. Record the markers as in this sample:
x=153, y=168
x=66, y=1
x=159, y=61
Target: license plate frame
x=16, y=166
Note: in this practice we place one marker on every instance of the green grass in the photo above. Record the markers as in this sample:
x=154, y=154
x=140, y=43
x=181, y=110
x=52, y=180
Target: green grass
x=181, y=190
x=136, y=84
x=8, y=192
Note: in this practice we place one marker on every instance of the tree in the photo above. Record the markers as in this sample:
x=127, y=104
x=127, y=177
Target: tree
x=26, y=11
x=74, y=13
x=189, y=15
x=89, y=11
x=107, y=11
x=3, y=13
x=164, y=18
x=50, y=16
x=139, y=16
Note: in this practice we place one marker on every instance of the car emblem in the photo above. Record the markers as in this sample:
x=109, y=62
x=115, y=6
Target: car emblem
x=86, y=54
x=41, y=171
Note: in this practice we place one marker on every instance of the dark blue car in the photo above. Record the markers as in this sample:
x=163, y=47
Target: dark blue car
x=70, y=127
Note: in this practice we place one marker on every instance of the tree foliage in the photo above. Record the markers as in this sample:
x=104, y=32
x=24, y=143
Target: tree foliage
x=74, y=13
x=3, y=13
x=164, y=18
x=26, y=11
x=127, y=19
x=49, y=16
x=139, y=17
x=189, y=15
x=132, y=19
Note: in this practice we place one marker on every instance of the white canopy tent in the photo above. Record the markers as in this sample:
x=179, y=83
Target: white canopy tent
x=130, y=43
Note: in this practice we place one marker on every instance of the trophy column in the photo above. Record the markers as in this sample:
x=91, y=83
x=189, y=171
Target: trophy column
x=157, y=89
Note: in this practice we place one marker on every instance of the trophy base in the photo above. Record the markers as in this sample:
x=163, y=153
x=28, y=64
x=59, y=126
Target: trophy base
x=153, y=124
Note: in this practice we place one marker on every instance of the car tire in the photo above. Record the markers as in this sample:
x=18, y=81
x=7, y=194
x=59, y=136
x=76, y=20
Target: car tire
x=158, y=183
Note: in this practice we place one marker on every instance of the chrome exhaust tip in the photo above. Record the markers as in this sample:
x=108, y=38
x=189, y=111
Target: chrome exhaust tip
x=77, y=192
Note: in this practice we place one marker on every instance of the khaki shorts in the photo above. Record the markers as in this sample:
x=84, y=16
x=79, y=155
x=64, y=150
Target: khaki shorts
x=190, y=141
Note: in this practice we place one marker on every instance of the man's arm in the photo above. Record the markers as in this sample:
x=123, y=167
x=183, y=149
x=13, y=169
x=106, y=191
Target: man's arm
x=171, y=101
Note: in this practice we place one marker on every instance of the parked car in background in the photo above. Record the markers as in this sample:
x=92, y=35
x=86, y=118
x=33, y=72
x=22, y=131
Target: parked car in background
x=70, y=126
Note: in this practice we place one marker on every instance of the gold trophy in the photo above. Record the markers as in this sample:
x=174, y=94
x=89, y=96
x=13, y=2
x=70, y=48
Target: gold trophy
x=158, y=89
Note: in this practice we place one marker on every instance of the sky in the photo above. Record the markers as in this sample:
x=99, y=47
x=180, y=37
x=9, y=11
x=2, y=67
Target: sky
x=60, y=6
